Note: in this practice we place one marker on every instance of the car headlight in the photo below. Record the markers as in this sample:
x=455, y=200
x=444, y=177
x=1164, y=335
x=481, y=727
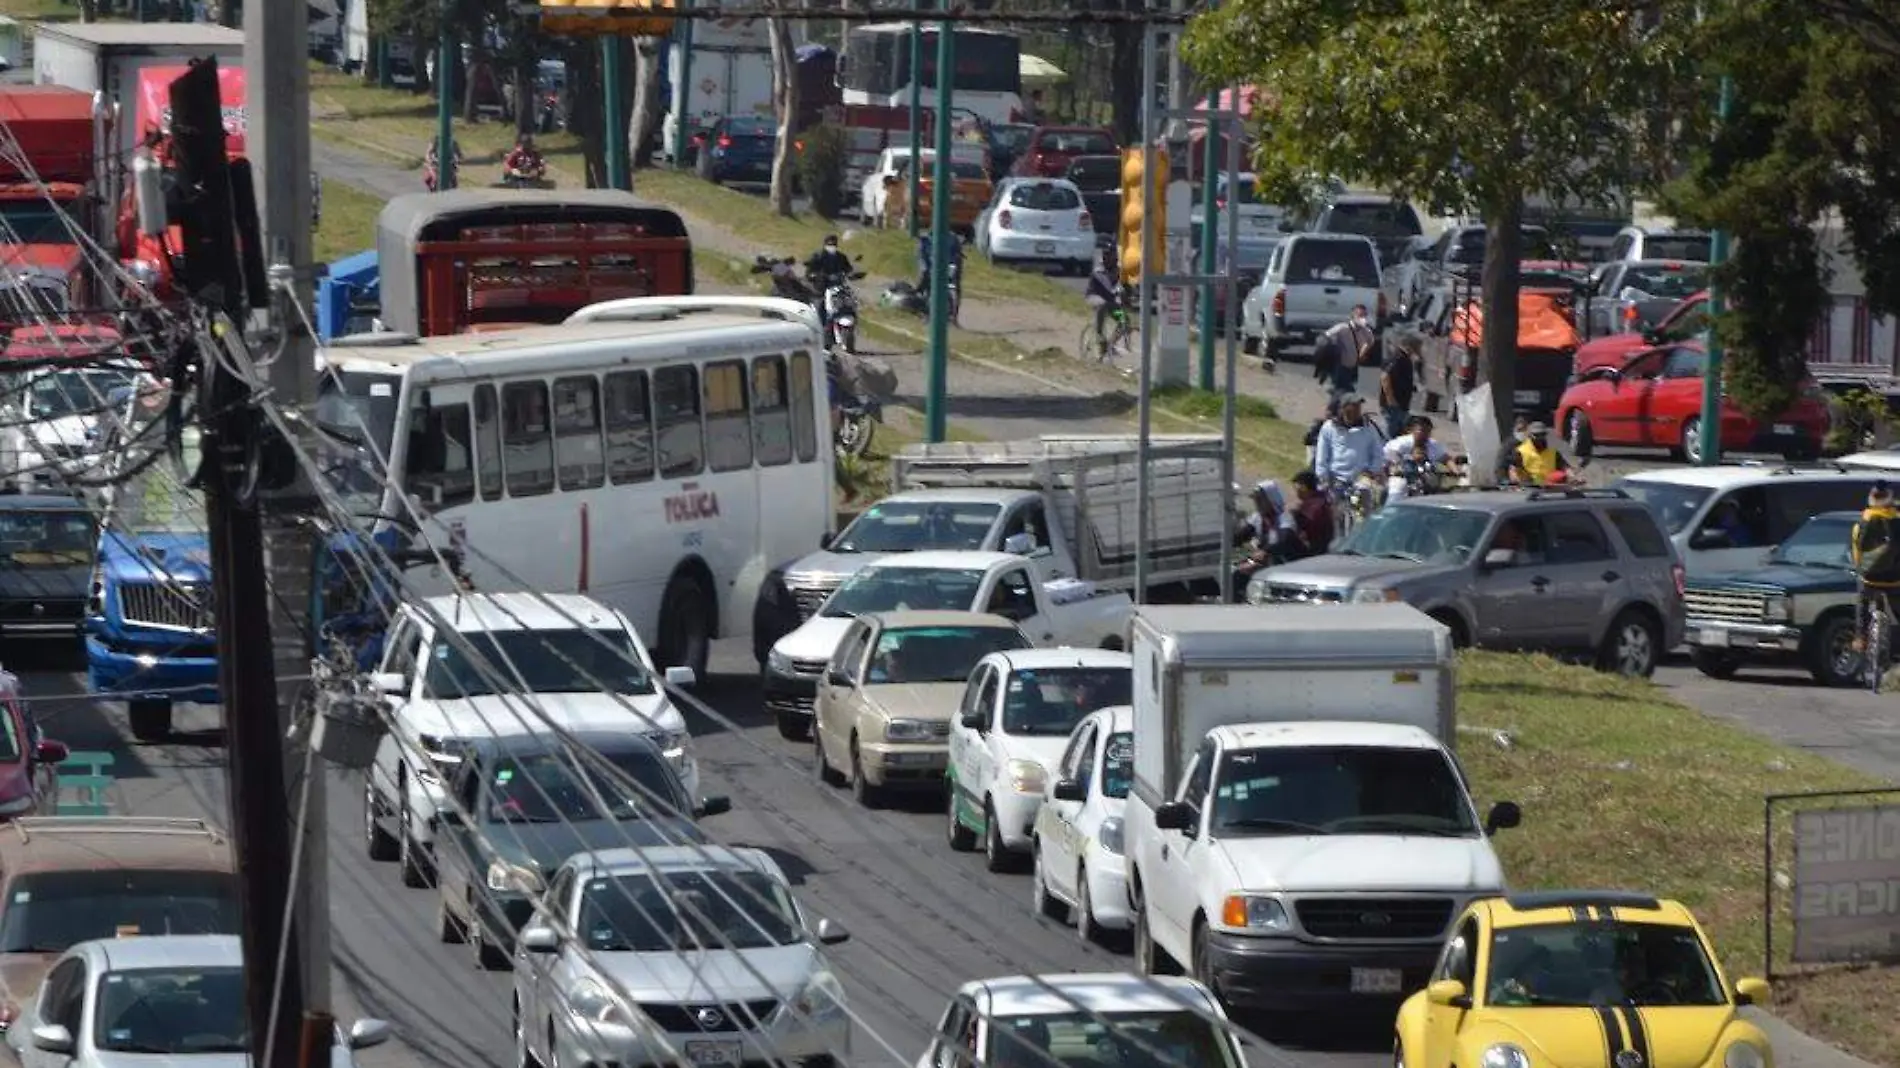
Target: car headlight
x=671, y=743
x=1504, y=1055
x=1244, y=911
x=1257, y=590
x=1109, y=835
x=1027, y=776
x=1374, y=595
x=1744, y=1055
x=590, y=1001
x=907, y=730
x=504, y=877
x=1779, y=609
x=823, y=996
x=443, y=753
x=778, y=663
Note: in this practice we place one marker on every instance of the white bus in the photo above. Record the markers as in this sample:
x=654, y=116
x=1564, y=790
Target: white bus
x=874, y=69
x=662, y=454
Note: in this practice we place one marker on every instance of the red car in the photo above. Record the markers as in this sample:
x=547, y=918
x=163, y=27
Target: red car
x=1655, y=399
x=1051, y=149
x=29, y=784
x=1690, y=318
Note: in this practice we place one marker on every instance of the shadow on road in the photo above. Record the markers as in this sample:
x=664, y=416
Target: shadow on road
x=1365, y=1031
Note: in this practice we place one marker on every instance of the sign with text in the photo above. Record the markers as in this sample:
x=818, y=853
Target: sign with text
x=1847, y=884
x=1173, y=302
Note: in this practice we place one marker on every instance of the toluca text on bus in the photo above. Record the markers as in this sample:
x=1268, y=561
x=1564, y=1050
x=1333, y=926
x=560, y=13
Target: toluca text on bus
x=987, y=80
x=486, y=259
x=659, y=454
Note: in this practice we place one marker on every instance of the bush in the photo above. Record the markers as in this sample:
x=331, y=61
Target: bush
x=821, y=168
x=1859, y=419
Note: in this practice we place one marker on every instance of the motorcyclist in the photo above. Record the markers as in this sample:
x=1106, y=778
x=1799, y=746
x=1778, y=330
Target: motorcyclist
x=829, y=262
x=1534, y=461
x=1104, y=294
x=432, y=165
x=1413, y=457
x=1348, y=446
x=523, y=159
x=1874, y=552
x=1266, y=536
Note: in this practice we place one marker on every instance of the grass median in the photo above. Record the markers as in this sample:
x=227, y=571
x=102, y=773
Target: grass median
x=348, y=222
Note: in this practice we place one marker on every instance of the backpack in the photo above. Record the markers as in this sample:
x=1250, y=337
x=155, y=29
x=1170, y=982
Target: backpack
x=1878, y=563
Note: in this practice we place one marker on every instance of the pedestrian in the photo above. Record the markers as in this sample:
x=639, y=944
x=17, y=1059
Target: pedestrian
x=1398, y=380
x=1349, y=445
x=1352, y=343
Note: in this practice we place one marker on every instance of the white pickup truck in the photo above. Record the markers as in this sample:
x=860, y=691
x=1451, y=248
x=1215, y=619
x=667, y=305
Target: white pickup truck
x=1310, y=286
x=1298, y=833
x=1050, y=610
x=1074, y=496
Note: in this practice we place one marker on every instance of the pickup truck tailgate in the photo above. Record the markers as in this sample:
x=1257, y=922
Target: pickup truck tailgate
x=1326, y=277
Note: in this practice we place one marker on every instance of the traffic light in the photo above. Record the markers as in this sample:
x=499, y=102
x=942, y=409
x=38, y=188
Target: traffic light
x=1135, y=220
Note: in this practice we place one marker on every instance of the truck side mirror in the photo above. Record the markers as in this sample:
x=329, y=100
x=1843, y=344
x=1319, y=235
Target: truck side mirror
x=1019, y=544
x=1500, y=558
x=1175, y=816
x=1069, y=790
x=1503, y=816
x=978, y=721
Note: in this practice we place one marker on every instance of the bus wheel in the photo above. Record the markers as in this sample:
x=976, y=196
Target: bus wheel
x=151, y=720
x=686, y=624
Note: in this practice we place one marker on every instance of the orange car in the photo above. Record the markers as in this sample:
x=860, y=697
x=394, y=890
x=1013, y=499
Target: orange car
x=970, y=192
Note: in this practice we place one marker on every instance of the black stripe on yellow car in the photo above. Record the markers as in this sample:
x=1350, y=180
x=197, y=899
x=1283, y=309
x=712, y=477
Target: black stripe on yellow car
x=1639, y=1034
x=1612, y=1035
x=1579, y=913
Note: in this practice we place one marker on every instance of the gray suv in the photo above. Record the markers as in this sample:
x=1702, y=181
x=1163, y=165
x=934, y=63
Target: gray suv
x=1561, y=570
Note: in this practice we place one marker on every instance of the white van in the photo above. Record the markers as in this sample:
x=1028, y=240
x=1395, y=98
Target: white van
x=1726, y=518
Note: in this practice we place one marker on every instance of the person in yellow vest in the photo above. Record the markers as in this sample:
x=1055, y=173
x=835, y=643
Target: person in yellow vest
x=1534, y=460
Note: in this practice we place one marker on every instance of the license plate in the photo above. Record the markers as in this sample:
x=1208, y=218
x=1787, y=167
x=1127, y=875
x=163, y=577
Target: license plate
x=1784, y=428
x=714, y=1052
x=1527, y=396
x=1048, y=247
x=1715, y=636
x=1375, y=980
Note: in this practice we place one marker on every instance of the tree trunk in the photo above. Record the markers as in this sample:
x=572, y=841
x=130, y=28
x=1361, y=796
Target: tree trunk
x=1126, y=88
x=785, y=103
x=1503, y=249
x=646, y=101
x=527, y=100
x=471, y=75
x=584, y=112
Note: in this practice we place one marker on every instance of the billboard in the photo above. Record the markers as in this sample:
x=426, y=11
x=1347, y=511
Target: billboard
x=154, y=108
x=1847, y=884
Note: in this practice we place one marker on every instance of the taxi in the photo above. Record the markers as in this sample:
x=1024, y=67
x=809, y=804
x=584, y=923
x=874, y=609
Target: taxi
x=1579, y=979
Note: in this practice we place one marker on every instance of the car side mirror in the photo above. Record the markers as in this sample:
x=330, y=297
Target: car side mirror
x=716, y=805
x=389, y=682
x=1069, y=790
x=540, y=938
x=831, y=933
x=1175, y=816
x=1752, y=992
x=839, y=677
x=1450, y=993
x=1019, y=545
x=53, y=1038
x=975, y=721
x=681, y=678
x=825, y=539
x=890, y=180
x=367, y=1032
x=51, y=752
x=1709, y=539
x=1503, y=816
x=1500, y=558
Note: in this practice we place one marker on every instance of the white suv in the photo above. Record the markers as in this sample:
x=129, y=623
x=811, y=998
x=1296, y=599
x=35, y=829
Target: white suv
x=1724, y=518
x=566, y=659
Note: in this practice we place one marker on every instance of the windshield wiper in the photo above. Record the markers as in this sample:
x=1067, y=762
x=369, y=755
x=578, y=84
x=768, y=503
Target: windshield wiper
x=1399, y=825
x=1263, y=823
x=147, y=1047
x=1411, y=557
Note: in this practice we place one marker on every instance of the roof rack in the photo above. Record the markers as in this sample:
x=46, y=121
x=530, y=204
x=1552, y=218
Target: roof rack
x=1534, y=900
x=1792, y=468
x=1606, y=493
x=28, y=826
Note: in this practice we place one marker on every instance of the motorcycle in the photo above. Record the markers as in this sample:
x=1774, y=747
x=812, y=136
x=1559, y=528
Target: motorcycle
x=856, y=402
x=841, y=313
x=907, y=297
x=1423, y=480
x=530, y=175
x=1353, y=502
x=429, y=177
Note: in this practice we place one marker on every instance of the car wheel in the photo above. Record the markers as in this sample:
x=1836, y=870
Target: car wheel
x=961, y=838
x=524, y=1056
x=1632, y=646
x=1460, y=637
x=793, y=727
x=1203, y=964
x=1150, y=959
x=1691, y=445
x=996, y=855
x=151, y=721
x=415, y=868
x=447, y=927
x=1578, y=433
x=1715, y=663
x=489, y=957
x=1041, y=901
x=686, y=624
x=1832, y=657
x=868, y=793
x=377, y=842
x=1084, y=910
x=826, y=773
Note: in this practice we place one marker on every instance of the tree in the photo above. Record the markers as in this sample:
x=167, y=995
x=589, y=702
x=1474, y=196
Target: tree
x=785, y=106
x=646, y=117
x=1467, y=105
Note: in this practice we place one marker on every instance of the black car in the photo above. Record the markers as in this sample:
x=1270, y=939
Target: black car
x=46, y=556
x=1100, y=180
x=520, y=806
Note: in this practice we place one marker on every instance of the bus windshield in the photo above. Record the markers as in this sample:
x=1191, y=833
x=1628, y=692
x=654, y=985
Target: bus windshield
x=356, y=410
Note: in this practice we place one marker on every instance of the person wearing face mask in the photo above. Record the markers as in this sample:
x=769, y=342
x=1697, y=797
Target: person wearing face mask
x=829, y=262
x=1534, y=461
x=1350, y=346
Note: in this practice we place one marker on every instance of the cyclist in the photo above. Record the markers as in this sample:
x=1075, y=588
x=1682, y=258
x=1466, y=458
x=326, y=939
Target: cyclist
x=1413, y=457
x=1876, y=556
x=1105, y=296
x=1348, y=446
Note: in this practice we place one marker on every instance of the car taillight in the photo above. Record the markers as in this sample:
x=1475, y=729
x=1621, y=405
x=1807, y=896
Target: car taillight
x=1005, y=220
x=724, y=141
x=1676, y=572
x=798, y=146
x=1279, y=303
x=1629, y=313
x=1086, y=222
x=1221, y=204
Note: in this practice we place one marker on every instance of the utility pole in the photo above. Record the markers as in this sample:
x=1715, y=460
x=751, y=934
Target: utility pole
x=936, y=418
x=687, y=120
x=1212, y=133
x=445, y=169
x=1712, y=371
x=916, y=121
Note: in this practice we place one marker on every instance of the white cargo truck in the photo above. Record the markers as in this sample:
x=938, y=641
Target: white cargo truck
x=732, y=78
x=1299, y=834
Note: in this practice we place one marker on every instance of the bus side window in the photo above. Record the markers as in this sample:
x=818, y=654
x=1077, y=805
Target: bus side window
x=487, y=444
x=728, y=431
x=629, y=427
x=528, y=445
x=577, y=449
x=771, y=419
x=804, y=429
x=676, y=414
x=438, y=457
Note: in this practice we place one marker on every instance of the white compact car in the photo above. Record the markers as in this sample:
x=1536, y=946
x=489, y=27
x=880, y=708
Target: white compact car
x=579, y=665
x=1037, y=220
x=1081, y=873
x=1011, y=730
x=1104, y=1018
x=675, y=955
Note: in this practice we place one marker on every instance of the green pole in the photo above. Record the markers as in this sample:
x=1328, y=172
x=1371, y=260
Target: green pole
x=445, y=106
x=934, y=414
x=687, y=123
x=614, y=114
x=1712, y=370
x=385, y=79
x=917, y=117
x=1209, y=160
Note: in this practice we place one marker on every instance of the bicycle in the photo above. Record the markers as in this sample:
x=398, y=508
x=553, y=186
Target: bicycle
x=1352, y=503
x=1876, y=641
x=1121, y=339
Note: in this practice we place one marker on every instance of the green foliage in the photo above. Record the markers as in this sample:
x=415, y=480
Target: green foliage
x=821, y=168
x=858, y=478
x=1859, y=418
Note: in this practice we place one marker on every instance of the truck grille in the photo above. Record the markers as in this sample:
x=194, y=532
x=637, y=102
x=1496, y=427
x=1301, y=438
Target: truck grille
x=1733, y=606
x=693, y=1019
x=1304, y=594
x=1374, y=917
x=802, y=704
x=813, y=668
x=810, y=595
x=172, y=606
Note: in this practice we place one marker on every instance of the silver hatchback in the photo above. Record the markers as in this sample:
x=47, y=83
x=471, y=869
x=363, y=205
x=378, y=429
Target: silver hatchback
x=1563, y=571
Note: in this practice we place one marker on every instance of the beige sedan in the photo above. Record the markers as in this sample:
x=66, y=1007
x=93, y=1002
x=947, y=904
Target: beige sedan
x=885, y=703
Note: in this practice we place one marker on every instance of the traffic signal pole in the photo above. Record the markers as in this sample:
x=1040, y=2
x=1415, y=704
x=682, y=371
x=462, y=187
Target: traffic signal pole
x=935, y=416
x=1712, y=370
x=1210, y=208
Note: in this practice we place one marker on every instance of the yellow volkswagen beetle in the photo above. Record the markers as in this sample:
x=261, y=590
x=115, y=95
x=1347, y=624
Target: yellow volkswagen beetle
x=1580, y=979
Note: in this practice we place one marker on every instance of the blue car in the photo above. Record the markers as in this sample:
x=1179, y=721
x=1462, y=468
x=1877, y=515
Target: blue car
x=149, y=640
x=737, y=150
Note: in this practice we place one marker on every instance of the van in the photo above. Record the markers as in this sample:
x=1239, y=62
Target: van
x=1725, y=518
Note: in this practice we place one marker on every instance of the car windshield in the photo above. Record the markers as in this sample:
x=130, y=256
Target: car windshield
x=155, y=500
x=1044, y=196
x=557, y=787
x=672, y=911
x=1675, y=283
x=47, y=912
x=1076, y=142
x=1820, y=542
x=356, y=410
x=1374, y=220
x=1339, y=261
x=904, y=526
x=1471, y=244
x=1011, y=136
x=546, y=661
x=752, y=127
x=1096, y=173
x=171, y=1011
x=1673, y=505
x=937, y=654
x=1696, y=247
x=1051, y=701
x=31, y=537
x=898, y=589
x=1608, y=962
x=1340, y=790
x=59, y=393
x=1154, y=1039
x=964, y=169
x=1118, y=765
x=1421, y=533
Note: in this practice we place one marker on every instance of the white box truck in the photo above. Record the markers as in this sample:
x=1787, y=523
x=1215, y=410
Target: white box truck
x=1299, y=834
x=732, y=76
